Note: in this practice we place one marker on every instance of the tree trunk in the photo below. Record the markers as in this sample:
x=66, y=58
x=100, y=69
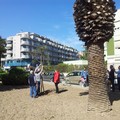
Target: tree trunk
x=98, y=96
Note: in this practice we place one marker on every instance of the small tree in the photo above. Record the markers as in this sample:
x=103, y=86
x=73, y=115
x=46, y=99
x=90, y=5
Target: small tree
x=85, y=54
x=2, y=48
x=39, y=54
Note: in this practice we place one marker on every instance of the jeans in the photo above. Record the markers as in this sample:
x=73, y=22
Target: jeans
x=33, y=91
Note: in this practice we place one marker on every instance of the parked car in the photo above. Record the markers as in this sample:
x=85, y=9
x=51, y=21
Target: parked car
x=73, y=77
x=48, y=76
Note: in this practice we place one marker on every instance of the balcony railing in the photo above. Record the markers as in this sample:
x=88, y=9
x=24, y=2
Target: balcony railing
x=8, y=45
x=9, y=41
x=117, y=38
x=25, y=43
x=25, y=49
x=8, y=57
x=9, y=51
x=25, y=56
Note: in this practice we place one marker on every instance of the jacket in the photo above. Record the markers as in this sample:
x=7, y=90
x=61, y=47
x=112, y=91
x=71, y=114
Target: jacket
x=56, y=77
x=31, y=80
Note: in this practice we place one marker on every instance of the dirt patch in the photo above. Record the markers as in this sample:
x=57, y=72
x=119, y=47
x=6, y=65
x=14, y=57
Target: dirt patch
x=69, y=104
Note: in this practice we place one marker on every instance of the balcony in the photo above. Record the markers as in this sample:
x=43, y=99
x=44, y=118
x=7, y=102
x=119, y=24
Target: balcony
x=117, y=38
x=25, y=43
x=25, y=35
x=8, y=57
x=117, y=44
x=25, y=50
x=9, y=51
x=9, y=41
x=25, y=56
x=8, y=46
x=117, y=51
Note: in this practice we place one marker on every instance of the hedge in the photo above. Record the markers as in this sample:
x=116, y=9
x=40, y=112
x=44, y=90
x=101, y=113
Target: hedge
x=16, y=76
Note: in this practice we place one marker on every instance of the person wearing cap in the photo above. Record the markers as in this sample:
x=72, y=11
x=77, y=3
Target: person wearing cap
x=32, y=84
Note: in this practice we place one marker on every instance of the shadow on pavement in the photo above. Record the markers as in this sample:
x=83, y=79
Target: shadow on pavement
x=84, y=93
x=64, y=90
x=45, y=92
x=51, y=91
x=114, y=96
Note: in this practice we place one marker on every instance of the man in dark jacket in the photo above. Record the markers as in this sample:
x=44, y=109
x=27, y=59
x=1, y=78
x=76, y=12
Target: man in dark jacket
x=112, y=77
x=32, y=84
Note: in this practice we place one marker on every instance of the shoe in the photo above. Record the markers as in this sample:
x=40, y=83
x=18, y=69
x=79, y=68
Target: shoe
x=35, y=96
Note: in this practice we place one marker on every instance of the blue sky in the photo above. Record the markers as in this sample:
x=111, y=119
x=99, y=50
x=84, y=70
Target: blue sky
x=50, y=18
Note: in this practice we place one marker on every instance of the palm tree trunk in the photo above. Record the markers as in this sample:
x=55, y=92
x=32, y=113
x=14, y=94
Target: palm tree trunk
x=98, y=96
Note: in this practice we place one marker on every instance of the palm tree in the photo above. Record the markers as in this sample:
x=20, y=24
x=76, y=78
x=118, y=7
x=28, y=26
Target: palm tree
x=94, y=20
x=2, y=48
x=39, y=54
x=84, y=56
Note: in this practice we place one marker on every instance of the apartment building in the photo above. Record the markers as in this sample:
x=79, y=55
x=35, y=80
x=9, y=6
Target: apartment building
x=112, y=48
x=20, y=46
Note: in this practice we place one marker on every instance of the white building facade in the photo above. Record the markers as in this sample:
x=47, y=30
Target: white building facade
x=76, y=62
x=114, y=59
x=20, y=46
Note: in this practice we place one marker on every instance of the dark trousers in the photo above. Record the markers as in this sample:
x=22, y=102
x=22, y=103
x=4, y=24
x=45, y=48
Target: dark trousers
x=118, y=83
x=113, y=85
x=56, y=86
x=38, y=87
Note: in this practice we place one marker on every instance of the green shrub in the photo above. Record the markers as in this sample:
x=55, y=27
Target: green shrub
x=63, y=67
x=4, y=78
x=16, y=76
x=2, y=72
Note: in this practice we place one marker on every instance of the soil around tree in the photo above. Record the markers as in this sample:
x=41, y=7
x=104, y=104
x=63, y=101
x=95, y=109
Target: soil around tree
x=69, y=104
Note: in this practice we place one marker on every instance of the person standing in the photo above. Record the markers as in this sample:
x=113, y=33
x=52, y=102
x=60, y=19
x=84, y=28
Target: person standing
x=41, y=83
x=84, y=76
x=118, y=77
x=112, y=77
x=32, y=84
x=37, y=73
x=56, y=80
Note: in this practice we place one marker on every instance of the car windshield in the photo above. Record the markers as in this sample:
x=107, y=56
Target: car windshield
x=76, y=73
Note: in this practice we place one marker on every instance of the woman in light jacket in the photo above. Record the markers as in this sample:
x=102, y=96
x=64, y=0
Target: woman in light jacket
x=37, y=74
